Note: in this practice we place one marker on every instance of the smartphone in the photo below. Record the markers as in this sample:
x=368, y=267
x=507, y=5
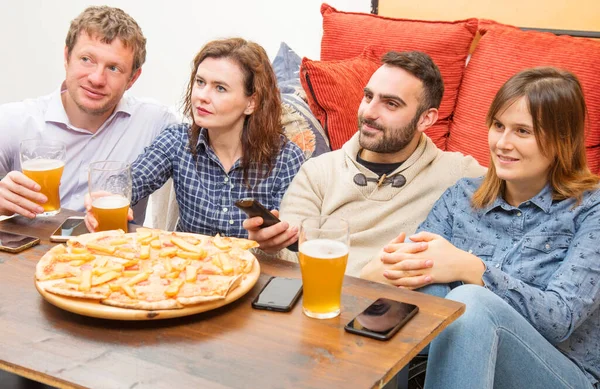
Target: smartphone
x=72, y=226
x=382, y=319
x=253, y=208
x=15, y=243
x=279, y=294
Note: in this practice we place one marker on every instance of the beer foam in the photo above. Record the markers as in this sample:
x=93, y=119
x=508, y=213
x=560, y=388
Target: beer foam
x=110, y=202
x=42, y=164
x=324, y=248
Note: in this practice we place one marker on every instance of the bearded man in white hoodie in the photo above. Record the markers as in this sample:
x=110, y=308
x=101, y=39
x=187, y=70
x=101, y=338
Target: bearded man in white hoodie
x=386, y=178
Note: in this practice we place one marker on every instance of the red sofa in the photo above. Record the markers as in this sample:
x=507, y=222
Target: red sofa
x=353, y=43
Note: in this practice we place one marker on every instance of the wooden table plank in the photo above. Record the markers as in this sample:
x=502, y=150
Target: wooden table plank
x=231, y=347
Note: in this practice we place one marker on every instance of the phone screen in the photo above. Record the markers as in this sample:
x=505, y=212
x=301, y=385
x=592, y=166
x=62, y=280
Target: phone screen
x=14, y=241
x=71, y=227
x=382, y=319
x=279, y=294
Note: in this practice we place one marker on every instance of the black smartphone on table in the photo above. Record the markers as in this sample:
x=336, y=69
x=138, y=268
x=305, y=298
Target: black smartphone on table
x=279, y=294
x=382, y=319
x=254, y=208
x=72, y=226
x=15, y=243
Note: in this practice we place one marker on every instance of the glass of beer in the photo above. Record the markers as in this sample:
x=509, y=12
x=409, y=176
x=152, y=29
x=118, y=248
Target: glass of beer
x=323, y=248
x=110, y=191
x=43, y=161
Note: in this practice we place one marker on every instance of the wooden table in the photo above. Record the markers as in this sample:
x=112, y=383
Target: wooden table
x=232, y=347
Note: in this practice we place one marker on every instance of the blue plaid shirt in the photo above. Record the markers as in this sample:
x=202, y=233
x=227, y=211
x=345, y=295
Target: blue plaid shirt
x=205, y=192
x=542, y=258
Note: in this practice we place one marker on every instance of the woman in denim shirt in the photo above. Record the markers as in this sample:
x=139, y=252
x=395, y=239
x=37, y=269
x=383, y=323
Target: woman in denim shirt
x=523, y=243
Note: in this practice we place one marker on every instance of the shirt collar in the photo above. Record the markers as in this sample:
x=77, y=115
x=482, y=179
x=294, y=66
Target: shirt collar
x=203, y=142
x=56, y=110
x=124, y=106
x=543, y=200
x=202, y=138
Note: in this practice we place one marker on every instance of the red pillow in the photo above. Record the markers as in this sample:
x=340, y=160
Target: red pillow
x=505, y=50
x=335, y=90
x=347, y=34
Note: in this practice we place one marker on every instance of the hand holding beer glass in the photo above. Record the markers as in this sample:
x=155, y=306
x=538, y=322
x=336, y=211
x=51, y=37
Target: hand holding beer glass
x=323, y=250
x=110, y=193
x=43, y=161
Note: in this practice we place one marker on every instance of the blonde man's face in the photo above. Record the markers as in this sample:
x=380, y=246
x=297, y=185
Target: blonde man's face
x=98, y=74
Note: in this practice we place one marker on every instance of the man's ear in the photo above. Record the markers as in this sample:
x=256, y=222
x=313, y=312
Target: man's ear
x=66, y=57
x=251, y=105
x=427, y=119
x=134, y=78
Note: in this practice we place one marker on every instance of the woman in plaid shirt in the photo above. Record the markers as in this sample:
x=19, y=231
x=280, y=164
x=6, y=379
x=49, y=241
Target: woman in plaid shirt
x=234, y=148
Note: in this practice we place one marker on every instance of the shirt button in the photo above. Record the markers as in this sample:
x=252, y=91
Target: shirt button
x=225, y=209
x=231, y=222
x=519, y=213
x=547, y=246
x=226, y=179
x=497, y=265
x=470, y=251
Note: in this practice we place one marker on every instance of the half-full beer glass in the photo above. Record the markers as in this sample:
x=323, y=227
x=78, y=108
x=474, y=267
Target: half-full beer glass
x=323, y=256
x=43, y=161
x=110, y=191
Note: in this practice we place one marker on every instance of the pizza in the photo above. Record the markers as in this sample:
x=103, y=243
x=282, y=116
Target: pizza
x=149, y=269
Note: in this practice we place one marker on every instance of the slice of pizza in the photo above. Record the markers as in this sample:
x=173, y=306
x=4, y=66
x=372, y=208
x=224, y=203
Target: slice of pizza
x=91, y=282
x=207, y=288
x=59, y=263
x=142, y=291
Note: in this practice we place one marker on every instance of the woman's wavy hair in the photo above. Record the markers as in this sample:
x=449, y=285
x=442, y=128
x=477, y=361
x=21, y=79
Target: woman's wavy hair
x=262, y=133
x=558, y=112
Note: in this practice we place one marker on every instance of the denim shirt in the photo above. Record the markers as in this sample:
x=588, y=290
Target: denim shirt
x=205, y=192
x=542, y=258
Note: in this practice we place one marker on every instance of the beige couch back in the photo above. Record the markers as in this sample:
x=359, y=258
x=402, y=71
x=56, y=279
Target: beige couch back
x=554, y=14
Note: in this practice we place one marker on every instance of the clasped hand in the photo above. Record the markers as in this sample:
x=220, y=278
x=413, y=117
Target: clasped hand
x=427, y=259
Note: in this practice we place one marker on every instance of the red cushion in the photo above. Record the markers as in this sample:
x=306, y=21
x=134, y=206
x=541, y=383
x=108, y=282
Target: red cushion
x=505, y=50
x=335, y=90
x=347, y=34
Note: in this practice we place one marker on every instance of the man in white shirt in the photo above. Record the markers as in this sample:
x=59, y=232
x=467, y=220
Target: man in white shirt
x=104, y=53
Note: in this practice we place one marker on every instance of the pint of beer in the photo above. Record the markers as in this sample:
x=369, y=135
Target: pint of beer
x=111, y=212
x=44, y=161
x=110, y=191
x=323, y=254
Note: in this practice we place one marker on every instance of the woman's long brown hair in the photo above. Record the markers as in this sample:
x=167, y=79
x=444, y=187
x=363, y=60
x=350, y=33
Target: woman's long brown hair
x=261, y=136
x=558, y=112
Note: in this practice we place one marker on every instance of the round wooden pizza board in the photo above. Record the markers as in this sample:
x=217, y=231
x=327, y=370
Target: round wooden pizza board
x=96, y=309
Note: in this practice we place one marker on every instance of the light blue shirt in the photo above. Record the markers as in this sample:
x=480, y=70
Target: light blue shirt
x=542, y=258
x=132, y=126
